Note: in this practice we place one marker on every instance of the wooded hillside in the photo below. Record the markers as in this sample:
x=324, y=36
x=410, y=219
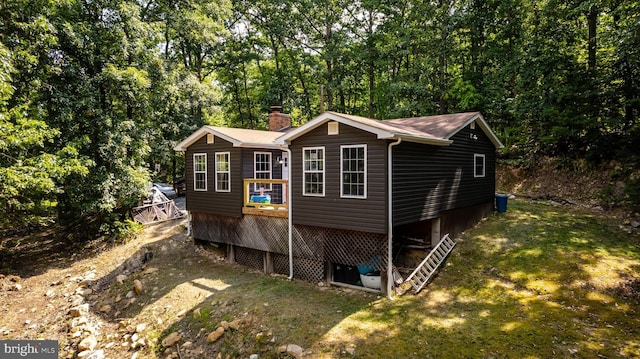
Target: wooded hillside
x=95, y=93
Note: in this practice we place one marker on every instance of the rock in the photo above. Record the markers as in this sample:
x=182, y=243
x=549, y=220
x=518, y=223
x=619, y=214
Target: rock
x=121, y=278
x=214, y=336
x=88, y=343
x=351, y=349
x=84, y=291
x=50, y=293
x=141, y=328
x=171, y=339
x=105, y=308
x=79, y=310
x=118, y=298
x=235, y=325
x=98, y=354
x=16, y=287
x=135, y=355
x=635, y=224
x=130, y=294
x=137, y=286
x=253, y=356
x=292, y=349
x=196, y=313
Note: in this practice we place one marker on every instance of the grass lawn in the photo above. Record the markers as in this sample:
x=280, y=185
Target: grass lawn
x=536, y=282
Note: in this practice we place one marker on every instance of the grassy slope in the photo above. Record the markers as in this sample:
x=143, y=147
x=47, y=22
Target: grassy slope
x=536, y=282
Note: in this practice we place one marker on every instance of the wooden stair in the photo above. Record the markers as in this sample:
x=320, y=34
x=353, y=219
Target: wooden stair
x=420, y=276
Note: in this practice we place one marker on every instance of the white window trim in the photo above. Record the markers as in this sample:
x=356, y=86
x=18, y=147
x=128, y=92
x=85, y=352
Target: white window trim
x=484, y=166
x=195, y=188
x=228, y=155
x=342, y=195
x=324, y=176
x=255, y=171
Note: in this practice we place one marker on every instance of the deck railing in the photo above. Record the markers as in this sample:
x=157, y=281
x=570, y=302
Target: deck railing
x=266, y=197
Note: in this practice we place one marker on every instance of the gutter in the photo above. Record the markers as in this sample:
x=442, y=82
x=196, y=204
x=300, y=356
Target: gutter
x=289, y=214
x=390, y=218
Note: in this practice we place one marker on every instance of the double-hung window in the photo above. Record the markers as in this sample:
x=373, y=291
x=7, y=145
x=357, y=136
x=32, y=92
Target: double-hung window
x=478, y=165
x=353, y=171
x=223, y=172
x=262, y=169
x=199, y=171
x=313, y=171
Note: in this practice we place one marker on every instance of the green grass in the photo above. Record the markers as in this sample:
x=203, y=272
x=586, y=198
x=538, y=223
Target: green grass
x=536, y=282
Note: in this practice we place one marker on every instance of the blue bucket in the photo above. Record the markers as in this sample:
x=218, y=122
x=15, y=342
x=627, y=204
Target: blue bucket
x=501, y=203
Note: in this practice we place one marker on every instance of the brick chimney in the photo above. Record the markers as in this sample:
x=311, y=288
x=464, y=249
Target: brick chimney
x=278, y=121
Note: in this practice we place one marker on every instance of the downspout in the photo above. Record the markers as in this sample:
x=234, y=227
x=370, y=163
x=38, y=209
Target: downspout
x=289, y=208
x=390, y=218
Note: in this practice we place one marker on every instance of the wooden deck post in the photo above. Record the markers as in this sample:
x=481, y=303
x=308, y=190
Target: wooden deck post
x=231, y=256
x=268, y=263
x=435, y=231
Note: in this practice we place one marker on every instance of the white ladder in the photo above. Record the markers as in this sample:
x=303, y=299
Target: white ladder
x=430, y=264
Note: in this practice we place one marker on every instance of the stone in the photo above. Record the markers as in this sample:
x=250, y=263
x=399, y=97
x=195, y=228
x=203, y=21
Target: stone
x=215, y=335
x=253, y=356
x=235, y=325
x=79, y=310
x=121, y=278
x=130, y=294
x=105, y=308
x=84, y=291
x=16, y=287
x=141, y=328
x=635, y=224
x=137, y=286
x=197, y=313
x=294, y=350
x=50, y=293
x=171, y=339
x=88, y=343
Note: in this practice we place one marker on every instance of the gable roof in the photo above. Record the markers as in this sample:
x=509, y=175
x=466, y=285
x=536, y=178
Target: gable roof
x=239, y=137
x=433, y=130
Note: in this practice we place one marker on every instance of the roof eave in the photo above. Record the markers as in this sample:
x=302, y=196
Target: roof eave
x=420, y=139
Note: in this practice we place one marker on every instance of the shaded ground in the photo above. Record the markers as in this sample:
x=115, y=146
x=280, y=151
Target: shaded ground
x=186, y=289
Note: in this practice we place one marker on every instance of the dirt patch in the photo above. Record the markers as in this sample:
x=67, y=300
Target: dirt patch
x=578, y=184
x=124, y=301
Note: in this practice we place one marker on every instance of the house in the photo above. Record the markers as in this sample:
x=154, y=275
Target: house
x=355, y=190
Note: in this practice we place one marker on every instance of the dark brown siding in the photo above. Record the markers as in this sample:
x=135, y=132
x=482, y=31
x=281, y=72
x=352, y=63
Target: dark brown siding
x=368, y=215
x=428, y=180
x=210, y=201
x=248, y=159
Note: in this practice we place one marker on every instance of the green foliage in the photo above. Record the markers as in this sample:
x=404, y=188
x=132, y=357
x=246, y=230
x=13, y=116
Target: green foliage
x=124, y=231
x=94, y=95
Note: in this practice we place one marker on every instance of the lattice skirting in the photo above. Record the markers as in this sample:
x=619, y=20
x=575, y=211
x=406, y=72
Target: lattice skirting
x=338, y=245
x=312, y=246
x=249, y=257
x=305, y=269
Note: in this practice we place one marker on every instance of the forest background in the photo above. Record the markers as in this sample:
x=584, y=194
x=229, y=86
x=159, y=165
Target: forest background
x=94, y=94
